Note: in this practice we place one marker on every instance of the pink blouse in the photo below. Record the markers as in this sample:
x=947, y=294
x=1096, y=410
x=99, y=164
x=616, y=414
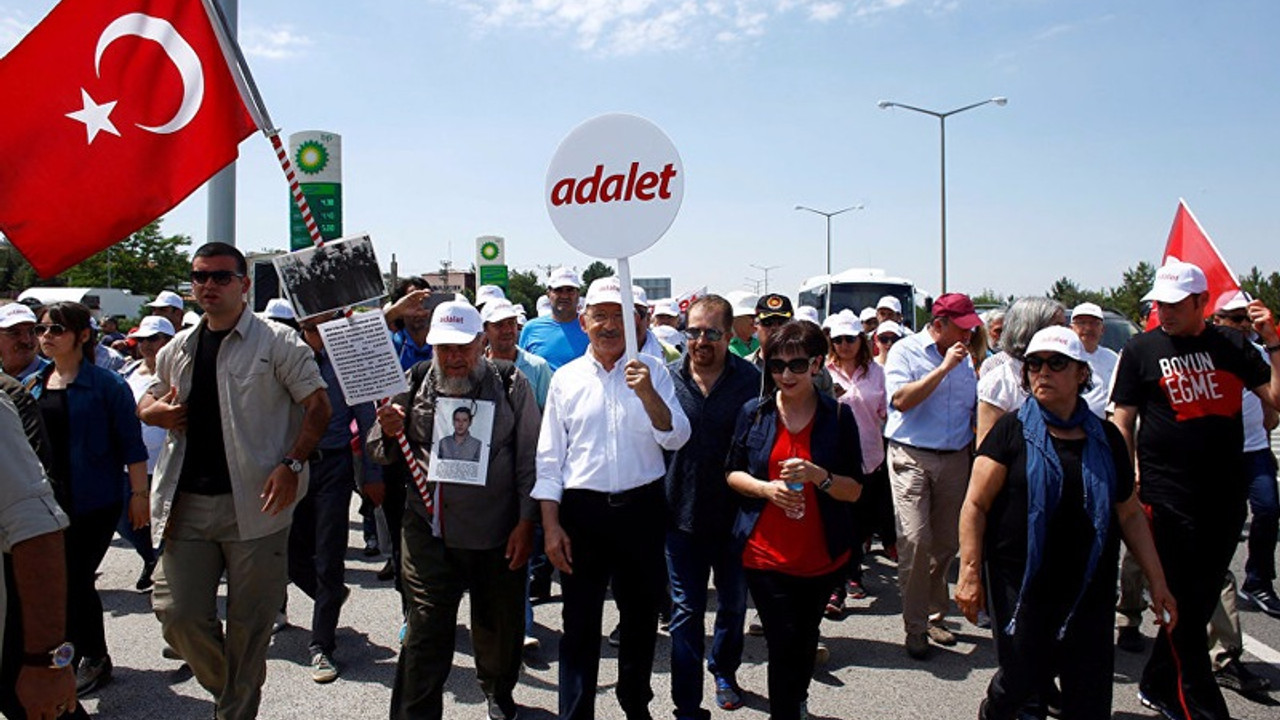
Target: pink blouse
x=865, y=396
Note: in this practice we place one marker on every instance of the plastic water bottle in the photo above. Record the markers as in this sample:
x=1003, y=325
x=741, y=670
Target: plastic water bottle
x=795, y=514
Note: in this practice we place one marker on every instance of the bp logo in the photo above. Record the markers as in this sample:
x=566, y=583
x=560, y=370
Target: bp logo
x=312, y=157
x=489, y=251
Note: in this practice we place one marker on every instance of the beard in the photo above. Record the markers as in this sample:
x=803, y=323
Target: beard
x=457, y=386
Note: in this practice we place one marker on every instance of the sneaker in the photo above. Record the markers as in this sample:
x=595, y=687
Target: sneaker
x=92, y=674
x=145, y=582
x=835, y=607
x=322, y=668
x=1235, y=676
x=1262, y=597
x=855, y=590
x=502, y=707
x=917, y=645
x=939, y=634
x=1129, y=639
x=1150, y=702
x=754, y=627
x=531, y=643
x=615, y=637
x=821, y=655
x=728, y=694
x=282, y=622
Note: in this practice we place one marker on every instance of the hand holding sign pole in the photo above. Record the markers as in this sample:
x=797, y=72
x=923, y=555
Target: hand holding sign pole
x=613, y=188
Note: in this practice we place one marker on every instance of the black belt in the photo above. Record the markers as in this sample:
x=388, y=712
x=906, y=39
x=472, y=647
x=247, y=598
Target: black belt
x=928, y=450
x=328, y=453
x=626, y=497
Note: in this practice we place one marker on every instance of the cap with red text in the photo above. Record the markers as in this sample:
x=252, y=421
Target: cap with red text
x=454, y=323
x=1175, y=281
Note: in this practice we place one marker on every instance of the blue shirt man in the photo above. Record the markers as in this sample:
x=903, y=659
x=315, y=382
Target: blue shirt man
x=558, y=338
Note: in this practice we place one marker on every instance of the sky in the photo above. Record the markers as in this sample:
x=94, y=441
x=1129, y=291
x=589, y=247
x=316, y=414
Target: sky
x=450, y=112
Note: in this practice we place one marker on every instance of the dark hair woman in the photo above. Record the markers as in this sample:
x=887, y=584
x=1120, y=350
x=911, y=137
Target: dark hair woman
x=93, y=428
x=1051, y=494
x=793, y=459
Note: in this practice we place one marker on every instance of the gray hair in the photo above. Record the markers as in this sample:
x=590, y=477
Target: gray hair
x=1025, y=318
x=991, y=316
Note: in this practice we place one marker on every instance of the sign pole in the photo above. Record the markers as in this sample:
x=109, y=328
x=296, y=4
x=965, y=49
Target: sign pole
x=628, y=307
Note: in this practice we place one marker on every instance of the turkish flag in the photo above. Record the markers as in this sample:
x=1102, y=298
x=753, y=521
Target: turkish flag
x=1189, y=242
x=115, y=111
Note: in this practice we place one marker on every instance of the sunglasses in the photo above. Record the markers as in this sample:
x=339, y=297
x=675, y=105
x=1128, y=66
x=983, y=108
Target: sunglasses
x=797, y=366
x=773, y=321
x=219, y=277
x=887, y=339
x=842, y=339
x=1056, y=362
x=710, y=334
x=1234, y=318
x=52, y=329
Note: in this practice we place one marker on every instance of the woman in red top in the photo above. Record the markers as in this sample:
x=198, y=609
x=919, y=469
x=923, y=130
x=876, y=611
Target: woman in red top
x=794, y=462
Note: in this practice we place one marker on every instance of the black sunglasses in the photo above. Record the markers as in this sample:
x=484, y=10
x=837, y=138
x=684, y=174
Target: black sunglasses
x=710, y=334
x=219, y=277
x=887, y=339
x=798, y=366
x=842, y=339
x=52, y=329
x=773, y=321
x=1056, y=362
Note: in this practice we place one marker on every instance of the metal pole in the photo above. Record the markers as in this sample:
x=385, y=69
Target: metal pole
x=942, y=125
x=222, y=187
x=828, y=244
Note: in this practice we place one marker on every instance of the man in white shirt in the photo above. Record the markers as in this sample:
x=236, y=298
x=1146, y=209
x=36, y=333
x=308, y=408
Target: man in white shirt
x=600, y=469
x=1086, y=321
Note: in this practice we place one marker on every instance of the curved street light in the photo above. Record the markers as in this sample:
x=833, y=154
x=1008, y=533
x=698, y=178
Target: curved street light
x=942, y=127
x=828, y=216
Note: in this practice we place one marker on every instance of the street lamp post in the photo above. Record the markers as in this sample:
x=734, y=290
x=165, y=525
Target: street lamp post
x=765, y=269
x=942, y=145
x=828, y=216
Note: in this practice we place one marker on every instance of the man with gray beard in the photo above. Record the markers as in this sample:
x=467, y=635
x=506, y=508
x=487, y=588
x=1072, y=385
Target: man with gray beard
x=471, y=537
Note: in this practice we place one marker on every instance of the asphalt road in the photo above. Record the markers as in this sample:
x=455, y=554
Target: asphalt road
x=868, y=675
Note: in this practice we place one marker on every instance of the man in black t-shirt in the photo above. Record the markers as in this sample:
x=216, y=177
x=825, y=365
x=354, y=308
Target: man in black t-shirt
x=1184, y=380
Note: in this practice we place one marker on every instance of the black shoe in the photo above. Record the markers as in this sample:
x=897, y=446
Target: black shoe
x=1235, y=676
x=387, y=572
x=539, y=589
x=1129, y=639
x=371, y=548
x=1151, y=702
x=1262, y=597
x=615, y=637
x=92, y=674
x=502, y=708
x=144, y=580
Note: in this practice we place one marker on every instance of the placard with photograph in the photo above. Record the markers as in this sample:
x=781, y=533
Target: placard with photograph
x=460, y=444
x=334, y=276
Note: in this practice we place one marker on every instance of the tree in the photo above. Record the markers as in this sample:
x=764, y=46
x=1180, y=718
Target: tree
x=16, y=274
x=1067, y=292
x=595, y=271
x=523, y=288
x=146, y=263
x=1262, y=287
x=1126, y=298
x=990, y=298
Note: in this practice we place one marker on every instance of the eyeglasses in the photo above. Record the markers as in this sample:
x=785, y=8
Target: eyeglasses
x=887, y=339
x=773, y=321
x=1056, y=362
x=219, y=277
x=842, y=339
x=797, y=366
x=52, y=329
x=710, y=334
x=16, y=332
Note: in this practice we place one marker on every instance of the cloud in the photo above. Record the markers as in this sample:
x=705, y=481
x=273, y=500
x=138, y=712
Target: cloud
x=277, y=43
x=630, y=27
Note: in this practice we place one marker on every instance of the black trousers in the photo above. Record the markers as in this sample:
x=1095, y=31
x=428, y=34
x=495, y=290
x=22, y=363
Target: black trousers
x=397, y=482
x=790, y=610
x=618, y=539
x=87, y=540
x=1195, y=544
x=318, y=544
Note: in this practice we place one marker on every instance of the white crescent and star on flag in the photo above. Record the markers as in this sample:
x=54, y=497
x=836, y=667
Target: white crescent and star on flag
x=97, y=116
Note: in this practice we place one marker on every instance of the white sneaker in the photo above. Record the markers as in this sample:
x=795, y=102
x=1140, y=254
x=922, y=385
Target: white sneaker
x=531, y=643
x=322, y=668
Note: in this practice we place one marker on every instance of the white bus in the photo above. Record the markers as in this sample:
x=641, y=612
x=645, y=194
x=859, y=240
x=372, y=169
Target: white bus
x=858, y=288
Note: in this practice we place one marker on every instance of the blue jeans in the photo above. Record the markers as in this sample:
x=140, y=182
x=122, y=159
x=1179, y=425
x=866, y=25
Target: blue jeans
x=690, y=562
x=1264, y=502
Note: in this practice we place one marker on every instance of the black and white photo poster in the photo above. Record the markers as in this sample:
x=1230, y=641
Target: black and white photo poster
x=334, y=276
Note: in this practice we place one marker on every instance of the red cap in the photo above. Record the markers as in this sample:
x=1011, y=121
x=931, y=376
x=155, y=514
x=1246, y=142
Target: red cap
x=958, y=308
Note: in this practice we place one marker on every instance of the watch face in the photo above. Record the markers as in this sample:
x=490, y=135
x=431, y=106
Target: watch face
x=62, y=655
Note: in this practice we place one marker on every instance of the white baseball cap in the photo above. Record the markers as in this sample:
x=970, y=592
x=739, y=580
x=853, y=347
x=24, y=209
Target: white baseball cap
x=807, y=313
x=190, y=319
x=1239, y=301
x=498, y=310
x=639, y=296
x=279, y=309
x=152, y=325
x=844, y=327
x=16, y=314
x=889, y=326
x=485, y=293
x=889, y=302
x=867, y=314
x=544, y=306
x=1175, y=281
x=1087, y=309
x=666, y=308
x=745, y=304
x=564, y=277
x=454, y=323
x=604, y=290
x=166, y=298
x=1056, y=338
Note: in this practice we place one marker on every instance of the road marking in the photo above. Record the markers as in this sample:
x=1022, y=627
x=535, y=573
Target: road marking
x=1256, y=648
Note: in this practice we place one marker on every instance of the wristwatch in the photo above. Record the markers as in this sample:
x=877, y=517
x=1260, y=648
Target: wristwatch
x=825, y=485
x=294, y=465
x=56, y=659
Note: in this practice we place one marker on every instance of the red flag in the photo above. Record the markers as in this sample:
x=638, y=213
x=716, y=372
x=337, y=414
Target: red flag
x=117, y=110
x=1189, y=242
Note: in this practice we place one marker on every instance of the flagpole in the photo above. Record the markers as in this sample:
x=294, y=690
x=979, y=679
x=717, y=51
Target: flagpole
x=221, y=218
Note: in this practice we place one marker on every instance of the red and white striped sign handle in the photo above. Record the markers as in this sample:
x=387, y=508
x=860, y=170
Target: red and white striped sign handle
x=419, y=477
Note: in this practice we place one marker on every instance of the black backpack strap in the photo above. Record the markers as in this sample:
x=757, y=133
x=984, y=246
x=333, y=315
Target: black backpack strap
x=417, y=374
x=507, y=371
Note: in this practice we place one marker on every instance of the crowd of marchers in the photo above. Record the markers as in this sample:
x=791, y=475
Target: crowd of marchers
x=741, y=444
